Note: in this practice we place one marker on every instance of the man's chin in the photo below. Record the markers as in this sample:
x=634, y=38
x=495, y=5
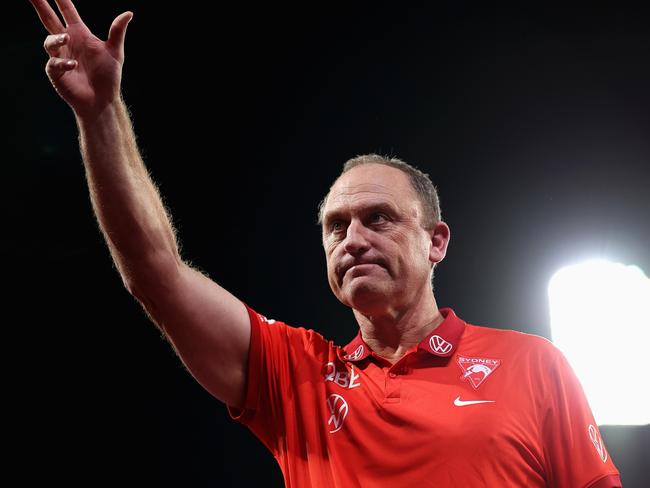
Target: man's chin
x=366, y=299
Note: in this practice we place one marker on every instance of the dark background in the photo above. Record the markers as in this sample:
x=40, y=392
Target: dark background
x=533, y=122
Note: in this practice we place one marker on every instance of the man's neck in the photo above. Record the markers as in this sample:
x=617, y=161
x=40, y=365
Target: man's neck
x=393, y=333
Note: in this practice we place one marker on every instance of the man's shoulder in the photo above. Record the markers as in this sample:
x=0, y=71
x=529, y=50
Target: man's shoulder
x=511, y=334
x=295, y=335
x=509, y=338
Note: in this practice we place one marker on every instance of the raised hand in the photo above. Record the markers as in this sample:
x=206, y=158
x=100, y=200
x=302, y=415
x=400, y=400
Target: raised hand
x=85, y=71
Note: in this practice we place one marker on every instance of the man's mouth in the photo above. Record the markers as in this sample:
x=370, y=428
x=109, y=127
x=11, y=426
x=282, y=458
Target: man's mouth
x=359, y=268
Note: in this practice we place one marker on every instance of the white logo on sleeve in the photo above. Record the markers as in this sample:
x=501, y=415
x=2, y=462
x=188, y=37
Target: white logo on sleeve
x=598, y=443
x=338, y=408
x=264, y=319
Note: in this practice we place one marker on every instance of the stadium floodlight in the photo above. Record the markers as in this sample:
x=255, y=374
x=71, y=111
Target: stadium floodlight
x=600, y=320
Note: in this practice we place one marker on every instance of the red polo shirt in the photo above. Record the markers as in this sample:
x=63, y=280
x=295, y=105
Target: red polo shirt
x=469, y=406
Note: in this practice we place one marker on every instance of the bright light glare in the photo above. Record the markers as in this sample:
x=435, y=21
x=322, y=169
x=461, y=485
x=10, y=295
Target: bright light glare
x=600, y=319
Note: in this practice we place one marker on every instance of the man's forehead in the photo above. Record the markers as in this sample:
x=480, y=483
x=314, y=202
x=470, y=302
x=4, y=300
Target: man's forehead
x=371, y=184
x=371, y=178
x=358, y=200
x=359, y=190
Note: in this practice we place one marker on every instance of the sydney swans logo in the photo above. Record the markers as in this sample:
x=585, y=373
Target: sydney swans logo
x=477, y=370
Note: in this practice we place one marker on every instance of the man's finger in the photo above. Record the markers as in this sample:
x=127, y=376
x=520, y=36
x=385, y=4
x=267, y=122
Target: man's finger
x=56, y=67
x=48, y=16
x=54, y=42
x=68, y=11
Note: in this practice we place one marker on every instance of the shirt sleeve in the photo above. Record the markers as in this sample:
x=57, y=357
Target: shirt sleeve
x=574, y=450
x=275, y=350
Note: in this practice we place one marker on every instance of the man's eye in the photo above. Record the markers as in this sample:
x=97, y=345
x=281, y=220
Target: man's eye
x=336, y=226
x=378, y=218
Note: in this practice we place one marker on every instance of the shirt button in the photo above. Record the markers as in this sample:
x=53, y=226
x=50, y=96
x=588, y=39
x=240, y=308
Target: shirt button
x=392, y=375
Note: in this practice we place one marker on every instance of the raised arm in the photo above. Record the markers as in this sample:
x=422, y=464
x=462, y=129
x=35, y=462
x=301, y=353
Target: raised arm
x=207, y=326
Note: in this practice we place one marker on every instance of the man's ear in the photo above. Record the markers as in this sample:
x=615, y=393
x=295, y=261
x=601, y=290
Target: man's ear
x=440, y=236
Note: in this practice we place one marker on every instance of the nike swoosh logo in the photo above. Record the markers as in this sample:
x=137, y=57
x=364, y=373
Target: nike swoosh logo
x=463, y=403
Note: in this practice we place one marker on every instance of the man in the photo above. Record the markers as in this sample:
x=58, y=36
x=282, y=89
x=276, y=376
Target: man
x=418, y=398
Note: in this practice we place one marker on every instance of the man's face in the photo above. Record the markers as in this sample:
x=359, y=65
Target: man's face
x=378, y=255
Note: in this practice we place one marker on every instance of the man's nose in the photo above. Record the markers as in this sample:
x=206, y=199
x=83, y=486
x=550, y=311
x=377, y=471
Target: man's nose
x=356, y=241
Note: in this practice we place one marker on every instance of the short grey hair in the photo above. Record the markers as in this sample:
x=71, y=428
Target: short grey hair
x=420, y=182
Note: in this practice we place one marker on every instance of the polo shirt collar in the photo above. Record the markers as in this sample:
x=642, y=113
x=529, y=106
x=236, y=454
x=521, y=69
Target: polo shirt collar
x=442, y=341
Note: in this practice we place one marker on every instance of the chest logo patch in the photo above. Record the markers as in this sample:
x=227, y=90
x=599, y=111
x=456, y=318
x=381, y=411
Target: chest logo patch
x=342, y=378
x=338, y=409
x=477, y=370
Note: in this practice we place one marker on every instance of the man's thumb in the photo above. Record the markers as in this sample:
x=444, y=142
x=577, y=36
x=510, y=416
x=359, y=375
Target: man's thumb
x=118, y=30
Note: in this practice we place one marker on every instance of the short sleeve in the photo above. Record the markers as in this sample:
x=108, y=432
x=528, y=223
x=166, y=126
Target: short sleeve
x=574, y=450
x=275, y=349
